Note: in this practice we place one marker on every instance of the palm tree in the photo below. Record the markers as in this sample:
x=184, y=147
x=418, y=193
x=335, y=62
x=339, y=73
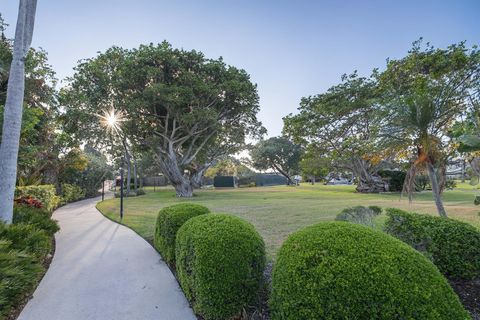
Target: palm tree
x=12, y=120
x=423, y=95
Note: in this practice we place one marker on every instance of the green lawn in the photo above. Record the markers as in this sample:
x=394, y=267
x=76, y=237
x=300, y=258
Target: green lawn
x=278, y=211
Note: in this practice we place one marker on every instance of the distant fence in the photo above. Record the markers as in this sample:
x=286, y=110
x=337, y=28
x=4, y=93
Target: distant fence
x=158, y=181
x=225, y=182
x=269, y=180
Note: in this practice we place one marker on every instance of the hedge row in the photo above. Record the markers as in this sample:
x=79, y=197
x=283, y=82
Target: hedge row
x=333, y=270
x=453, y=246
x=169, y=220
x=219, y=258
x=340, y=270
x=24, y=245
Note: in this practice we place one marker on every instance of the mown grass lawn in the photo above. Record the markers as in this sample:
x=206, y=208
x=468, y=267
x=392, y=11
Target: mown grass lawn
x=278, y=211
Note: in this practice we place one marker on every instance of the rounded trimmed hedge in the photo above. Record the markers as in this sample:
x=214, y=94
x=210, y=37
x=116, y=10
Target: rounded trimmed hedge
x=338, y=270
x=452, y=245
x=220, y=263
x=169, y=220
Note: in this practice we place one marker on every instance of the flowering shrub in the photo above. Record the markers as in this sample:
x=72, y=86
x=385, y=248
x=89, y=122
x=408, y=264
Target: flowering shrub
x=29, y=201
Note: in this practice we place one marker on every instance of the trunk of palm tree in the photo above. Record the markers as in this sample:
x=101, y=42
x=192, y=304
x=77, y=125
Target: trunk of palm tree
x=135, y=185
x=129, y=173
x=436, y=190
x=12, y=119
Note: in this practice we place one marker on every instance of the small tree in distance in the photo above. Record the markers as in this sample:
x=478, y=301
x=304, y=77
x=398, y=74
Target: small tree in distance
x=278, y=154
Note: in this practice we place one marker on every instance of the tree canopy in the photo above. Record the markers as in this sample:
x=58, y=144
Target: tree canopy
x=177, y=103
x=279, y=154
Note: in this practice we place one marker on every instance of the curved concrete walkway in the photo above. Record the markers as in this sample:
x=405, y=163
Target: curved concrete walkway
x=104, y=271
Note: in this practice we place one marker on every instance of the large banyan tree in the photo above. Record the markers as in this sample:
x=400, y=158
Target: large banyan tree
x=342, y=125
x=187, y=109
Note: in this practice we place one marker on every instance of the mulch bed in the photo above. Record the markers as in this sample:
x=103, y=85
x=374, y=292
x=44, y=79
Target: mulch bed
x=469, y=293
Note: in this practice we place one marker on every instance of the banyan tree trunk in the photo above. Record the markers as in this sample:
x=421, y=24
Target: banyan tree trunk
x=367, y=181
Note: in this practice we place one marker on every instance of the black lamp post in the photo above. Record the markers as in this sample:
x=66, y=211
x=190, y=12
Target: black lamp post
x=121, y=189
x=103, y=189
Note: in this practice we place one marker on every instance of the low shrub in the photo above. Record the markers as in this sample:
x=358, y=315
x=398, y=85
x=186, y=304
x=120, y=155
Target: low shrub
x=27, y=238
x=71, y=193
x=359, y=215
x=453, y=246
x=140, y=192
x=376, y=210
x=46, y=194
x=476, y=201
x=338, y=270
x=40, y=218
x=19, y=273
x=169, y=220
x=125, y=194
x=220, y=261
x=450, y=184
x=28, y=201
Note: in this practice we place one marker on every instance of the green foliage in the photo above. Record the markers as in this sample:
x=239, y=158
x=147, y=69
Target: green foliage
x=169, y=220
x=39, y=218
x=359, y=215
x=27, y=238
x=477, y=200
x=453, y=246
x=220, y=260
x=19, y=272
x=205, y=107
x=88, y=177
x=450, y=184
x=71, y=193
x=45, y=193
x=340, y=128
x=376, y=210
x=277, y=153
x=395, y=179
x=338, y=270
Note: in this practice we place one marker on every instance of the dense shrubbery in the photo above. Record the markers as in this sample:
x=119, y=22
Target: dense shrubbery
x=19, y=272
x=360, y=215
x=38, y=217
x=23, y=248
x=338, y=270
x=71, y=193
x=46, y=194
x=453, y=246
x=169, y=220
x=220, y=260
x=27, y=238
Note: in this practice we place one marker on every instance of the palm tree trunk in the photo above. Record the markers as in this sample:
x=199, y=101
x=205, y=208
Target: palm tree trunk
x=129, y=173
x=135, y=185
x=12, y=118
x=436, y=190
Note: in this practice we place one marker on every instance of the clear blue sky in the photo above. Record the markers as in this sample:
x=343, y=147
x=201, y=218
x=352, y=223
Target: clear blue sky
x=291, y=48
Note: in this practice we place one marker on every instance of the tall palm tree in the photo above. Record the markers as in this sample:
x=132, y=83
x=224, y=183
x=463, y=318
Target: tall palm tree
x=12, y=121
x=423, y=95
